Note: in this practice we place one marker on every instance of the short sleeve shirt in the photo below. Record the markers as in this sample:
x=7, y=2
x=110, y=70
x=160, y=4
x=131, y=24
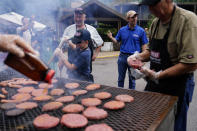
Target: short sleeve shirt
x=132, y=40
x=71, y=30
x=82, y=61
x=182, y=40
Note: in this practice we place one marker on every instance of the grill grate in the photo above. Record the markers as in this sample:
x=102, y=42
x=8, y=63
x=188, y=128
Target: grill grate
x=139, y=115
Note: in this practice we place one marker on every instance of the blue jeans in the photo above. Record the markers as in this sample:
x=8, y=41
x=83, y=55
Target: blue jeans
x=122, y=68
x=181, y=119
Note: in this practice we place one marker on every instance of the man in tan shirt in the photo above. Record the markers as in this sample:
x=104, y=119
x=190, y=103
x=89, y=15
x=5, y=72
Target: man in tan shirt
x=172, y=53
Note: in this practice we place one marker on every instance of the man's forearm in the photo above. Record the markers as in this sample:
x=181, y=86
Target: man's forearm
x=97, y=50
x=144, y=47
x=177, y=70
x=144, y=55
x=66, y=62
x=114, y=40
x=73, y=46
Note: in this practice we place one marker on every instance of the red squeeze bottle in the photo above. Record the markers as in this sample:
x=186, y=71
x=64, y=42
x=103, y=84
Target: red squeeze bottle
x=31, y=66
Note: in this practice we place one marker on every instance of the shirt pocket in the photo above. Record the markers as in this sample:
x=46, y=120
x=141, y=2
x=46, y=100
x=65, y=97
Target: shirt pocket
x=173, y=51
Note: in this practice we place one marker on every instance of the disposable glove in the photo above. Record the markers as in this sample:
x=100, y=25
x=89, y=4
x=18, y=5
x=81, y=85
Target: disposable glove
x=135, y=61
x=152, y=75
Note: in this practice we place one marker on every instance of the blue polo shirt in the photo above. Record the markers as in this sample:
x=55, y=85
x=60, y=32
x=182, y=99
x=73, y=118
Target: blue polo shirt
x=131, y=40
x=82, y=62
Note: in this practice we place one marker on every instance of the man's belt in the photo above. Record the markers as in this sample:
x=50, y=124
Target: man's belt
x=126, y=53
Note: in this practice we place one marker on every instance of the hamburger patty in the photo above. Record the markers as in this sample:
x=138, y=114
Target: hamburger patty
x=4, y=91
x=73, y=108
x=27, y=105
x=2, y=96
x=27, y=89
x=102, y=95
x=79, y=92
x=14, y=112
x=93, y=86
x=99, y=127
x=42, y=98
x=71, y=85
x=21, y=97
x=124, y=98
x=7, y=106
x=52, y=106
x=14, y=86
x=65, y=99
x=54, y=80
x=74, y=120
x=39, y=92
x=114, y=105
x=57, y=92
x=45, y=121
x=95, y=113
x=45, y=85
x=91, y=101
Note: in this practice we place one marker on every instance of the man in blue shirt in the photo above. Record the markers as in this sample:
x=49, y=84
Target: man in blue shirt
x=80, y=67
x=133, y=38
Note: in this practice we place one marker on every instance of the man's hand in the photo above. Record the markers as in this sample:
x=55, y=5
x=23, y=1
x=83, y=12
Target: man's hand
x=134, y=61
x=152, y=75
x=109, y=34
x=65, y=38
x=15, y=45
x=94, y=57
x=57, y=52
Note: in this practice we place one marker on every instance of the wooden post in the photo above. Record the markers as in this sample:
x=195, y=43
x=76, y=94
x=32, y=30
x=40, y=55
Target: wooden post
x=195, y=9
x=119, y=25
x=140, y=15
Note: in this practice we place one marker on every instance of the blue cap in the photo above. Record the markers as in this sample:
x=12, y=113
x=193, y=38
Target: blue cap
x=79, y=11
x=149, y=2
x=80, y=35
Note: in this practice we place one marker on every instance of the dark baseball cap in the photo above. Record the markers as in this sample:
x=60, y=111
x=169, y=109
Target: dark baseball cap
x=79, y=11
x=149, y=2
x=80, y=35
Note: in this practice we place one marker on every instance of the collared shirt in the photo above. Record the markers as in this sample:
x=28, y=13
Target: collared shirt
x=182, y=46
x=71, y=30
x=131, y=40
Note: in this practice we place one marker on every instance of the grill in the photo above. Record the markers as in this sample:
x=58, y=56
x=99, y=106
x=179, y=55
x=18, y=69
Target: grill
x=149, y=111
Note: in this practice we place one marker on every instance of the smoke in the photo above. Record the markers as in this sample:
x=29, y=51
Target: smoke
x=43, y=10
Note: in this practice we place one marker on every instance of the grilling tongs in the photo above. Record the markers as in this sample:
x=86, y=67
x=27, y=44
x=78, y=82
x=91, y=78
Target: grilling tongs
x=53, y=56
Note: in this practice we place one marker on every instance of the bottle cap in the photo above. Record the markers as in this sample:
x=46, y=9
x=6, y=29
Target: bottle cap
x=49, y=76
